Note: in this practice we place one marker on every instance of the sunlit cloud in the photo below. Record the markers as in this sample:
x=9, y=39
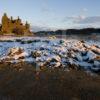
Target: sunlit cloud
x=89, y=20
x=83, y=19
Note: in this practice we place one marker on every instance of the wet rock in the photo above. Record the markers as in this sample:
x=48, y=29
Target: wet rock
x=73, y=67
x=84, y=53
x=47, y=41
x=37, y=40
x=82, y=41
x=97, y=64
x=42, y=48
x=36, y=54
x=95, y=69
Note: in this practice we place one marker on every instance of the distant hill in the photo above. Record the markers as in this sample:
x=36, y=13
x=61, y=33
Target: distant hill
x=84, y=31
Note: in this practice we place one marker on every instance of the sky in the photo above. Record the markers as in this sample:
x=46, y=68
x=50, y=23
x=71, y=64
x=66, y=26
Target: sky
x=54, y=14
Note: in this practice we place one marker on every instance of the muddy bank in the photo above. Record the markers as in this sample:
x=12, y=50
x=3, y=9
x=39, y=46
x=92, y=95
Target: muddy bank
x=22, y=82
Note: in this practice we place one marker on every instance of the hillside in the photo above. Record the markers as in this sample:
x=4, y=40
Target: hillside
x=83, y=32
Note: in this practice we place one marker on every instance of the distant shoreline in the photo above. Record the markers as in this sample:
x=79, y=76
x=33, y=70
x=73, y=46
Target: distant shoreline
x=52, y=36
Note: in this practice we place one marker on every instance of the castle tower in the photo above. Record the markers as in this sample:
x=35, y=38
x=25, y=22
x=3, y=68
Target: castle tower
x=11, y=18
x=27, y=26
x=5, y=23
x=18, y=20
x=4, y=18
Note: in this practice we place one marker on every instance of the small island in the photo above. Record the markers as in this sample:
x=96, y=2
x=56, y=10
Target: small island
x=14, y=27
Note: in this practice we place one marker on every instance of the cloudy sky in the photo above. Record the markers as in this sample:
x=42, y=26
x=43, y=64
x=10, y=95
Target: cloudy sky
x=54, y=14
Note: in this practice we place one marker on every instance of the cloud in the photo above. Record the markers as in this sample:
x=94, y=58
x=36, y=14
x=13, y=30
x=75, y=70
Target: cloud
x=81, y=19
x=89, y=20
x=74, y=18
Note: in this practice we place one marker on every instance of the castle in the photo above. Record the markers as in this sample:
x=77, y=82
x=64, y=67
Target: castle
x=14, y=26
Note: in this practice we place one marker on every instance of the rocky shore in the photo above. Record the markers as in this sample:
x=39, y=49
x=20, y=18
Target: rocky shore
x=78, y=54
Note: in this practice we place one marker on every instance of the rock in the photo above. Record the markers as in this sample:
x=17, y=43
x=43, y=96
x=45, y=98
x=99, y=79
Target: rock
x=95, y=69
x=97, y=58
x=82, y=41
x=15, y=51
x=16, y=54
x=95, y=49
x=36, y=54
x=97, y=64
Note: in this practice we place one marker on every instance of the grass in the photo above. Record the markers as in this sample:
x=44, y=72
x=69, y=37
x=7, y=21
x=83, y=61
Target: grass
x=22, y=82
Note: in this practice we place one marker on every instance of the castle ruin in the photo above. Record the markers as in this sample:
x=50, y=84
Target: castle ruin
x=14, y=26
